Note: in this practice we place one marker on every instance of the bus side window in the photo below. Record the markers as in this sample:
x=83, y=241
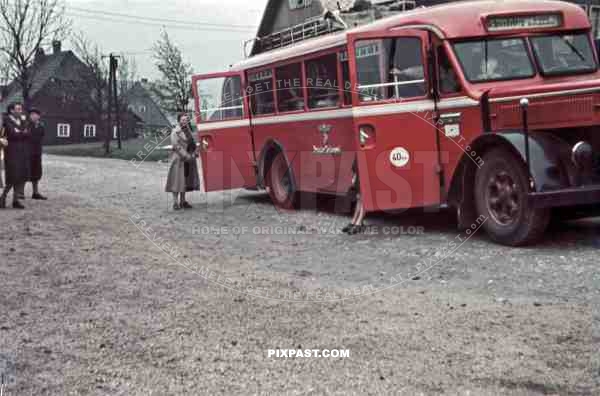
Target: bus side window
x=290, y=94
x=220, y=99
x=390, y=69
x=321, y=81
x=262, y=100
x=347, y=85
x=448, y=79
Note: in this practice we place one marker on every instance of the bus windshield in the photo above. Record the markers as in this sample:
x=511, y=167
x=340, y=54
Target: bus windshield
x=564, y=54
x=491, y=60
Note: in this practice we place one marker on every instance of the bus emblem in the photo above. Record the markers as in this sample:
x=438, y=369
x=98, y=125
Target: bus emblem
x=325, y=148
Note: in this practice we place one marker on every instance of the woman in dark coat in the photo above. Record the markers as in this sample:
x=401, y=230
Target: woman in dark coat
x=17, y=162
x=37, y=136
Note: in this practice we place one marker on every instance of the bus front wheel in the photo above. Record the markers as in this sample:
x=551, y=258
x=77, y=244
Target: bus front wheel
x=501, y=188
x=279, y=182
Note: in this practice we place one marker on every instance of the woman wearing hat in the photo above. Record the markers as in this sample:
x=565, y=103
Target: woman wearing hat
x=37, y=136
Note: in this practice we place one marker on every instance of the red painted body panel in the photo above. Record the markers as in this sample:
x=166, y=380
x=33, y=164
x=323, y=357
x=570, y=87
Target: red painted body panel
x=228, y=162
x=313, y=172
x=384, y=186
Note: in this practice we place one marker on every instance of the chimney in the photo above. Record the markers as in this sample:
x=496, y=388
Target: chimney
x=39, y=55
x=56, y=46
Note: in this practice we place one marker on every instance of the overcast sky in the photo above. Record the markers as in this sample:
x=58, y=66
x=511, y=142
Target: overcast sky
x=211, y=36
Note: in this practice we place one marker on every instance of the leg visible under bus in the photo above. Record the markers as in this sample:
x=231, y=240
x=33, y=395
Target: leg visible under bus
x=356, y=226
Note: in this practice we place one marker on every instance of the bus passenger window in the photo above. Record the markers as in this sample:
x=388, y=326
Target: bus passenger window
x=321, y=82
x=260, y=92
x=390, y=69
x=220, y=98
x=347, y=87
x=448, y=78
x=290, y=92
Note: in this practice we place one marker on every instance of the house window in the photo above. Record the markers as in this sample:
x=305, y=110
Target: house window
x=89, y=130
x=299, y=4
x=63, y=130
x=115, y=134
x=142, y=109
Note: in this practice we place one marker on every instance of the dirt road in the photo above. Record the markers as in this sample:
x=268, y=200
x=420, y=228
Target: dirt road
x=105, y=290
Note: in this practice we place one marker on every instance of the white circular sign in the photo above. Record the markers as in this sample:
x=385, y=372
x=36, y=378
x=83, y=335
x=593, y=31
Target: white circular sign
x=399, y=157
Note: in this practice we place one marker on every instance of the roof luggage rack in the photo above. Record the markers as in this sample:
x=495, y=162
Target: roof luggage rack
x=332, y=20
x=314, y=27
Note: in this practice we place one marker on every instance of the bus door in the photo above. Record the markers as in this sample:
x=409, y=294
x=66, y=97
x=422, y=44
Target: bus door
x=394, y=113
x=225, y=136
x=459, y=116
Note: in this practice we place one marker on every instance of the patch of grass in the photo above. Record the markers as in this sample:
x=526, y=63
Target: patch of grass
x=129, y=150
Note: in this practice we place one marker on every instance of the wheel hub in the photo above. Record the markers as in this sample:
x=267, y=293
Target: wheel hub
x=502, y=198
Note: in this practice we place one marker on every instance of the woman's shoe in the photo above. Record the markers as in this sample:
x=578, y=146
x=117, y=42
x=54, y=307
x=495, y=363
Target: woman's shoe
x=186, y=205
x=176, y=206
x=18, y=205
x=39, y=197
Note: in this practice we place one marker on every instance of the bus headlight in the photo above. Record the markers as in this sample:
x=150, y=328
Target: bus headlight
x=582, y=155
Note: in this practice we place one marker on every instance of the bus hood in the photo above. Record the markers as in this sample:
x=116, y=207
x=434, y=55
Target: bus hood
x=551, y=105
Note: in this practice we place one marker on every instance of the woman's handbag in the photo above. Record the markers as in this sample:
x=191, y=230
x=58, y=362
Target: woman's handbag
x=3, y=140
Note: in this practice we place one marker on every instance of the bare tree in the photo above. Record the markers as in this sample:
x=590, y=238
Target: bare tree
x=95, y=80
x=5, y=73
x=126, y=74
x=174, y=89
x=95, y=73
x=25, y=27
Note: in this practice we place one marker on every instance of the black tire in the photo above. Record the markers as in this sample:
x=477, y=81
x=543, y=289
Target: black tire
x=501, y=188
x=280, y=182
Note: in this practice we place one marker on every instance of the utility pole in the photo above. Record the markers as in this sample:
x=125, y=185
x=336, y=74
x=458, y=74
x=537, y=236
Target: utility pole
x=113, y=103
x=108, y=136
x=114, y=65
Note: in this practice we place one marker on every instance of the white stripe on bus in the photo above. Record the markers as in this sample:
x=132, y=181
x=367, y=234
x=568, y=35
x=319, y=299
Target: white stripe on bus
x=308, y=116
x=362, y=111
x=223, y=125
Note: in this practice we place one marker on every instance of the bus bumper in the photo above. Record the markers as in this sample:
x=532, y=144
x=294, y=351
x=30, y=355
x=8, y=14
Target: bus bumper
x=567, y=197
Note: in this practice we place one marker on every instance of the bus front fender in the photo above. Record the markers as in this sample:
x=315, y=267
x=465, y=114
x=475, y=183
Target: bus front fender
x=550, y=167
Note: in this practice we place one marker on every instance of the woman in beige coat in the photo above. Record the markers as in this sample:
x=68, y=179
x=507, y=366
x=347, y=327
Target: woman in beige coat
x=183, y=173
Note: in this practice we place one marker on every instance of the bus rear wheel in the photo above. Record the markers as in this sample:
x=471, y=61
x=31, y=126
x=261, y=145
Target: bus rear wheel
x=280, y=183
x=501, y=188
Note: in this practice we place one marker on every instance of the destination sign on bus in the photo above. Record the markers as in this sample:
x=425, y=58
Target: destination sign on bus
x=512, y=22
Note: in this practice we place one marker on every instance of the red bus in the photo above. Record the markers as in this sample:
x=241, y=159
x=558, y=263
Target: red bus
x=491, y=108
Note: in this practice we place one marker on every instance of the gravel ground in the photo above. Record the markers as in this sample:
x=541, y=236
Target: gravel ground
x=105, y=290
